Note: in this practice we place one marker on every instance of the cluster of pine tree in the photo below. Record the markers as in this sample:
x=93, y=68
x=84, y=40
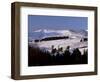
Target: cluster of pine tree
x=38, y=57
x=52, y=38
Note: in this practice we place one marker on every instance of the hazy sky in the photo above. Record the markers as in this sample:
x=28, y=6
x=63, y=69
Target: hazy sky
x=36, y=22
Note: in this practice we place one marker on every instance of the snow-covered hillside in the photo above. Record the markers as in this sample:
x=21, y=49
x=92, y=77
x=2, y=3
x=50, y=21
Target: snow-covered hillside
x=74, y=40
x=44, y=33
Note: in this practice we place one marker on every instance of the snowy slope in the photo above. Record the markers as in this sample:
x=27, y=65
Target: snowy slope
x=44, y=33
x=73, y=41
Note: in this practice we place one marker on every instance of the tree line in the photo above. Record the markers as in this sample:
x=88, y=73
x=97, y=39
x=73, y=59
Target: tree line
x=52, y=38
x=38, y=57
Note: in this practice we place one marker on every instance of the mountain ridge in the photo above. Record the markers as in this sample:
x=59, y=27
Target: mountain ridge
x=44, y=33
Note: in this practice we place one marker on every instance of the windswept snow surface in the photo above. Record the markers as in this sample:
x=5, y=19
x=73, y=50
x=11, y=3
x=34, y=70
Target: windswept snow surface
x=73, y=41
x=43, y=33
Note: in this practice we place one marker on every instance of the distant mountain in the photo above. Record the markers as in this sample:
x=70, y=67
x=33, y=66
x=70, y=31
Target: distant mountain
x=45, y=33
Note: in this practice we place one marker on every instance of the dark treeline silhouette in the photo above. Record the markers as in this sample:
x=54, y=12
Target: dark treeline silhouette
x=53, y=38
x=84, y=40
x=38, y=57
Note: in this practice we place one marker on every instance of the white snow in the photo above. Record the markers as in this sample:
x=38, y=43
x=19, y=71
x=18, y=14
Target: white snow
x=73, y=41
x=51, y=33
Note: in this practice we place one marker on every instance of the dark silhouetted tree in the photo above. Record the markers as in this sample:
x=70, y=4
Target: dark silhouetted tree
x=67, y=55
x=76, y=57
x=85, y=57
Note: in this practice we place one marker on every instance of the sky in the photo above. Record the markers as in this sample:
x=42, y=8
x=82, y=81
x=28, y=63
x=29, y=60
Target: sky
x=36, y=22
